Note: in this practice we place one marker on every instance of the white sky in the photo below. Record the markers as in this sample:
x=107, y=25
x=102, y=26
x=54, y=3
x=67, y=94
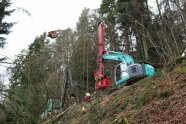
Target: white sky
x=47, y=15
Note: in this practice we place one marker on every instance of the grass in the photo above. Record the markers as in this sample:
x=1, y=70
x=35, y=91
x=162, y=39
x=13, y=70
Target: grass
x=164, y=94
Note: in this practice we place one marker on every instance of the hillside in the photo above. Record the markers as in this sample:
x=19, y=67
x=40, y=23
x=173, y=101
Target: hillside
x=157, y=100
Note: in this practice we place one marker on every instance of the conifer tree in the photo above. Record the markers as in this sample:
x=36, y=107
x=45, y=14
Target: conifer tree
x=5, y=27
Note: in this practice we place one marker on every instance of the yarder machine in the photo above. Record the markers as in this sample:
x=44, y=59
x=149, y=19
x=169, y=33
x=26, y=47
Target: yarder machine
x=126, y=71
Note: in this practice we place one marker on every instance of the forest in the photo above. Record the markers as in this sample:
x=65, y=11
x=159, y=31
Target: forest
x=131, y=26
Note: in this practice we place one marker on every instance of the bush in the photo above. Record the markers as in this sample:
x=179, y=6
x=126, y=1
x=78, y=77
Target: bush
x=164, y=94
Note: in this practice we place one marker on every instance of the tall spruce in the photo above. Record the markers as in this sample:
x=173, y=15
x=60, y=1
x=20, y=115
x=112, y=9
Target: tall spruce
x=85, y=50
x=28, y=84
x=5, y=27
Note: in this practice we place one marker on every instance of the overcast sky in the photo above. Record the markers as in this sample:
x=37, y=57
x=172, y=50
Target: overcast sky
x=47, y=15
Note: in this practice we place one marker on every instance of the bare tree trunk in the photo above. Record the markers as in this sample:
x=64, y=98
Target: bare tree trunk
x=183, y=16
x=171, y=25
x=169, y=51
x=83, y=76
x=144, y=41
x=127, y=43
x=87, y=66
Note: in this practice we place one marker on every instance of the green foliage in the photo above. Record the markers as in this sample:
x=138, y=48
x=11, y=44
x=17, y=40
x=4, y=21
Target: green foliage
x=3, y=114
x=28, y=85
x=126, y=121
x=83, y=61
x=95, y=118
x=4, y=26
x=107, y=10
x=140, y=101
x=184, y=62
x=183, y=70
x=183, y=66
x=164, y=94
x=120, y=120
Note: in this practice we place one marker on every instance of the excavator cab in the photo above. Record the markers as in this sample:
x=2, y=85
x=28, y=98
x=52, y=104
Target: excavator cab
x=121, y=73
x=128, y=73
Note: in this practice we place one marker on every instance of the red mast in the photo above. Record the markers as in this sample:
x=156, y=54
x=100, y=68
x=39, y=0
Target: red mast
x=101, y=46
x=102, y=82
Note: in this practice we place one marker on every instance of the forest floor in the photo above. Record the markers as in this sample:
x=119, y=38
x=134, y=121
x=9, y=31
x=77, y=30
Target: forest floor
x=160, y=99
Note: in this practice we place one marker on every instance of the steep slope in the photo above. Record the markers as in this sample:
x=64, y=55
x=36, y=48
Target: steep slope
x=158, y=99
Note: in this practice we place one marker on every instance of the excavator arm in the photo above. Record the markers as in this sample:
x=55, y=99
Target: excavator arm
x=118, y=56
